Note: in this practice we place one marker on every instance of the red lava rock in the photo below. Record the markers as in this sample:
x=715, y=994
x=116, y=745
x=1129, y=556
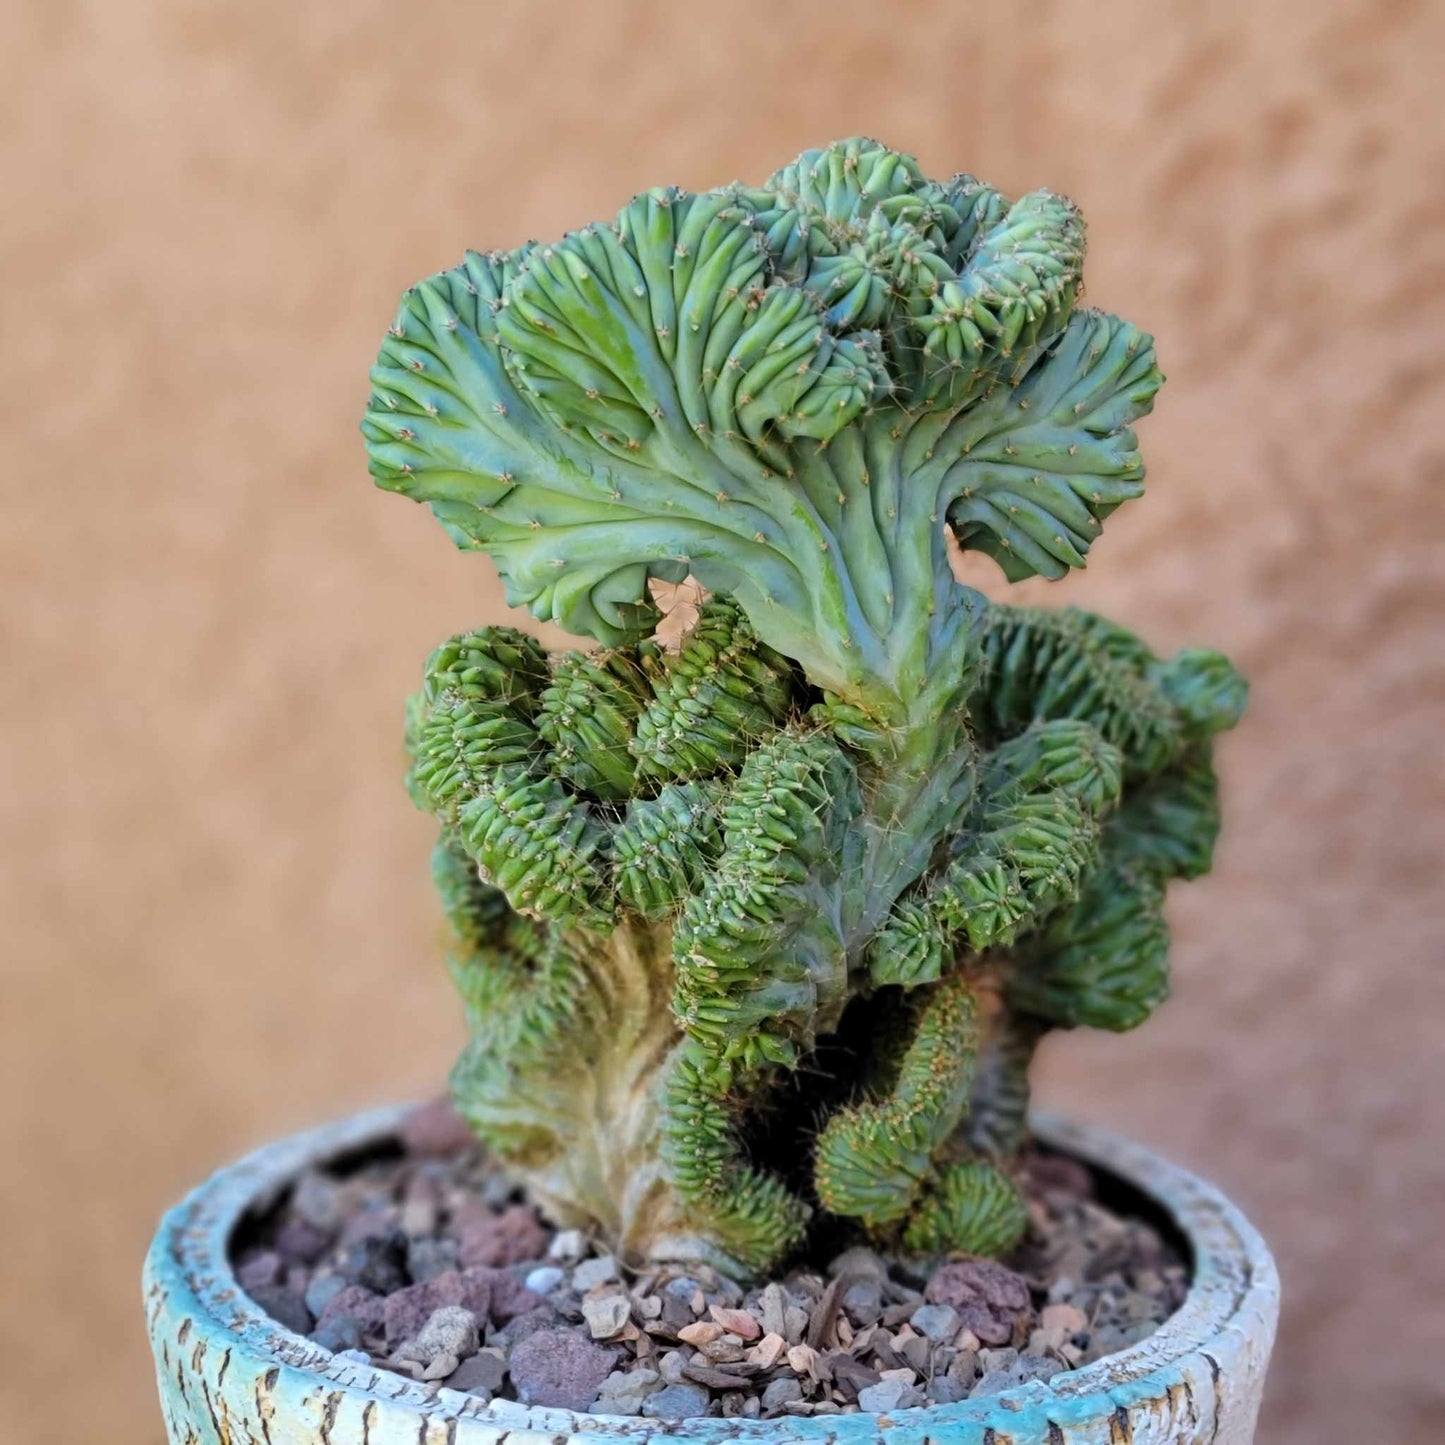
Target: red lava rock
x=739, y=1322
x=258, y=1270
x=485, y=1292
x=365, y=1306
x=435, y=1130
x=502, y=1239
x=977, y=1281
x=509, y=1297
x=376, y=1221
x=301, y=1241
x=407, y=1310
x=991, y=1300
x=991, y=1330
x=480, y=1288
x=562, y=1368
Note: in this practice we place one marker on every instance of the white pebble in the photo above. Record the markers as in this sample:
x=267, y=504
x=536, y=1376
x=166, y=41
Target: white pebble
x=544, y=1279
x=567, y=1244
x=605, y=1316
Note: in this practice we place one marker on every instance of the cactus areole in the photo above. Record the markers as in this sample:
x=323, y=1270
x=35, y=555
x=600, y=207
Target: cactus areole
x=757, y=933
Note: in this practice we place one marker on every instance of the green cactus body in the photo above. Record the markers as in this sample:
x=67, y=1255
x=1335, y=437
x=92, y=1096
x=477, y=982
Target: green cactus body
x=671, y=875
x=874, y=1158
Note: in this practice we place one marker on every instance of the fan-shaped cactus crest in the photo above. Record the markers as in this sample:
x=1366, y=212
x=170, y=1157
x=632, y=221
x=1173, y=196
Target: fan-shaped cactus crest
x=678, y=877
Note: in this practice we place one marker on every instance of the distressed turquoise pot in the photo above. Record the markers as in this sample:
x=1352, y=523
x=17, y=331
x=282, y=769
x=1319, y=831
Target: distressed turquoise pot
x=229, y=1375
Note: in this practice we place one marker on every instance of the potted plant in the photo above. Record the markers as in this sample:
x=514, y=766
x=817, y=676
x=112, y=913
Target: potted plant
x=757, y=928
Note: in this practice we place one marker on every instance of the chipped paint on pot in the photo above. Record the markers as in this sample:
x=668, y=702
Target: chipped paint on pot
x=230, y=1375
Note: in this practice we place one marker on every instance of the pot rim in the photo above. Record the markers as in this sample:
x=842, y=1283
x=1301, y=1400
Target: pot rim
x=1224, y=1328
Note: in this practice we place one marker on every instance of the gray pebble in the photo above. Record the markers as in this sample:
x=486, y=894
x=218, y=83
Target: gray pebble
x=995, y=1382
x=964, y=1367
x=724, y=1292
x=676, y=1402
x=592, y=1272
x=863, y=1300
x=915, y=1351
x=772, y=1310
x=377, y=1262
x=673, y=1363
x=1062, y=1290
x=510, y=1335
x=945, y=1390
x=1106, y=1339
x=1037, y=1367
x=887, y=1395
x=340, y=1334
x=322, y=1290
x=617, y=1404
x=938, y=1322
x=284, y=1306
x=683, y=1288
x=318, y=1199
x=859, y=1263
x=629, y=1382
x=624, y=1392
x=780, y=1392
x=482, y=1374
x=427, y=1258
x=721, y=1351
x=497, y=1191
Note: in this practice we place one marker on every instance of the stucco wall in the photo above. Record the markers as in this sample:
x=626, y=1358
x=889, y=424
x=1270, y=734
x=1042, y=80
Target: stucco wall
x=217, y=922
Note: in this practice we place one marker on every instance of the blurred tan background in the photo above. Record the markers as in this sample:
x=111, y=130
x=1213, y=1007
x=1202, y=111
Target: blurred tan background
x=217, y=922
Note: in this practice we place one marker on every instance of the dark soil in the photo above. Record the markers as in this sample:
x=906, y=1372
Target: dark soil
x=423, y=1259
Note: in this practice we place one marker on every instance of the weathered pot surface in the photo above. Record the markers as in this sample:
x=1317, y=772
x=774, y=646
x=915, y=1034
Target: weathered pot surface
x=229, y=1374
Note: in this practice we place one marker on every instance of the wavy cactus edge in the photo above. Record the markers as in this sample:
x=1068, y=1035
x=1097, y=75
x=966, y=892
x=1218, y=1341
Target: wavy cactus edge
x=762, y=930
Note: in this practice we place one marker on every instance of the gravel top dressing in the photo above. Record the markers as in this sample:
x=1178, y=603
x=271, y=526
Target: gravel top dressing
x=426, y=1262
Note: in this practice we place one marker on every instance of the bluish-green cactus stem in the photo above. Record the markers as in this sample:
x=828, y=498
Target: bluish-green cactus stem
x=765, y=924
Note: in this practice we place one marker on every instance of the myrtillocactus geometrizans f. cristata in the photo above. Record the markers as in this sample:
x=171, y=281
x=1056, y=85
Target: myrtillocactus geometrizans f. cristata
x=763, y=928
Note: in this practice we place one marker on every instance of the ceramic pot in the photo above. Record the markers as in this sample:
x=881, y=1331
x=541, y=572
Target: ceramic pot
x=230, y=1375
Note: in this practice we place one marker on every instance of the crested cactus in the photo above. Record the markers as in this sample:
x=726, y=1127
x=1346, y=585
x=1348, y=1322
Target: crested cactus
x=765, y=926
